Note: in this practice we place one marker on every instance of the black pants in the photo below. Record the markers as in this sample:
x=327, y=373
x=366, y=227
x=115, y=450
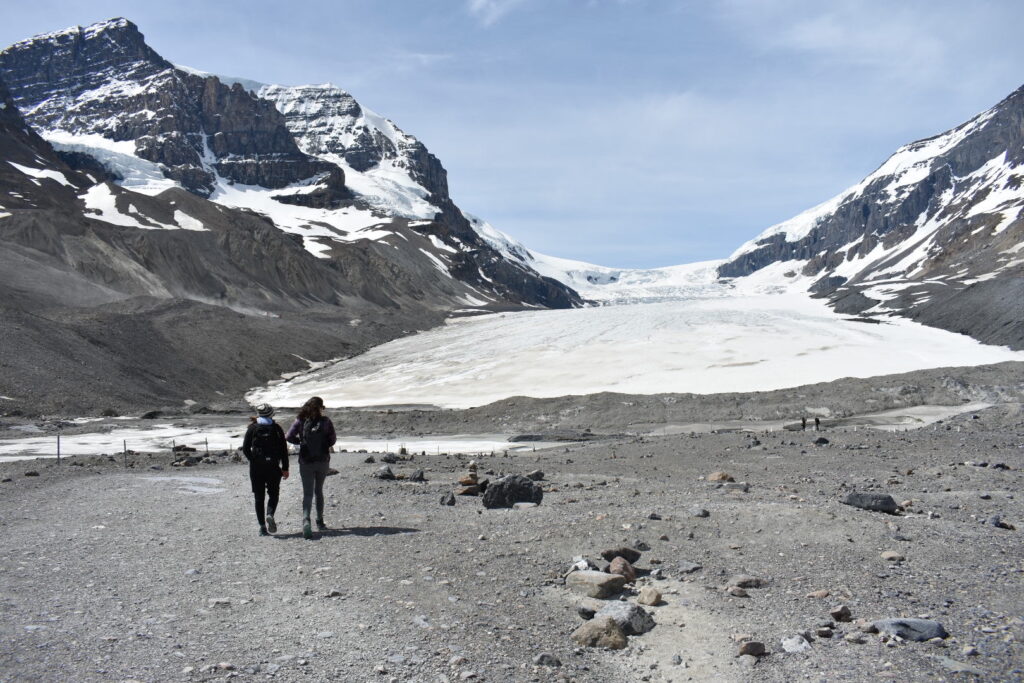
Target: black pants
x=313, y=475
x=265, y=482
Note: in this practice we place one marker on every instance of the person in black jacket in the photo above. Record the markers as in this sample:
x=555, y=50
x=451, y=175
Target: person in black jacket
x=267, y=452
x=314, y=433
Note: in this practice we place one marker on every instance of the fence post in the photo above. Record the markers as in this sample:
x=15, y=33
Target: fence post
x=206, y=440
x=58, y=449
x=124, y=451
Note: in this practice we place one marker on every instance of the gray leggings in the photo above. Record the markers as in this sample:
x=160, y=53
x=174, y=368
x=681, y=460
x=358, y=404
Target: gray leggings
x=313, y=475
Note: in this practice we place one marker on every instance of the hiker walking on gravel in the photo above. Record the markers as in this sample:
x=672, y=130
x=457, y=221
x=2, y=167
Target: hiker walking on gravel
x=265, y=449
x=314, y=433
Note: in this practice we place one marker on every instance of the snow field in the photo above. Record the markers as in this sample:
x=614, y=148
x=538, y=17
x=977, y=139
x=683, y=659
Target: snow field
x=720, y=343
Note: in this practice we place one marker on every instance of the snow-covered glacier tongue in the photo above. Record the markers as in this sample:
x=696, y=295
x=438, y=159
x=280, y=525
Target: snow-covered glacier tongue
x=702, y=337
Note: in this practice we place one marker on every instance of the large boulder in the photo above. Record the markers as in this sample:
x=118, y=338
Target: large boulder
x=512, y=489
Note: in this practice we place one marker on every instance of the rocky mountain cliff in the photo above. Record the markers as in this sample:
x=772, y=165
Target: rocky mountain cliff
x=112, y=105
x=935, y=234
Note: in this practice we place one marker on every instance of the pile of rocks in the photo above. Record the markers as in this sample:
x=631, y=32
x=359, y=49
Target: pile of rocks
x=609, y=623
x=470, y=483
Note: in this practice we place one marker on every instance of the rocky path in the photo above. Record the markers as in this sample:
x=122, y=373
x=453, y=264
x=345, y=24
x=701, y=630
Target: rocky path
x=158, y=574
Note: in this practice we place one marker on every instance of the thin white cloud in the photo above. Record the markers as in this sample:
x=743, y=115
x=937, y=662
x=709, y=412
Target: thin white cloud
x=490, y=12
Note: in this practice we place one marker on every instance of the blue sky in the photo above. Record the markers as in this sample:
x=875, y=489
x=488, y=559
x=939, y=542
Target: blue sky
x=630, y=133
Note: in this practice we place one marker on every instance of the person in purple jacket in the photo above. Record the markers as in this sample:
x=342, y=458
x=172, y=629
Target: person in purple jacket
x=314, y=433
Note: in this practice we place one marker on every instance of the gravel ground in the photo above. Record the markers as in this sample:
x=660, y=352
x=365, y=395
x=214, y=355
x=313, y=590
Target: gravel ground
x=111, y=573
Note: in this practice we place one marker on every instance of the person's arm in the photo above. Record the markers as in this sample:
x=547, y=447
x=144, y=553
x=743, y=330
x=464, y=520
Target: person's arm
x=293, y=433
x=247, y=443
x=283, y=450
x=332, y=436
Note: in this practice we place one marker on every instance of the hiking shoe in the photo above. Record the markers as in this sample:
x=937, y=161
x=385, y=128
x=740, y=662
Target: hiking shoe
x=271, y=524
x=307, y=530
x=320, y=524
x=263, y=531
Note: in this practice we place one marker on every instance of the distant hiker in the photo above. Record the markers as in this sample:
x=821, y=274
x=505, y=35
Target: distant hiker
x=265, y=449
x=803, y=424
x=314, y=432
x=817, y=423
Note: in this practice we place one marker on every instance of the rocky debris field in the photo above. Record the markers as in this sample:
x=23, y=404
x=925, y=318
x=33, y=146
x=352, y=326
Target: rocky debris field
x=762, y=556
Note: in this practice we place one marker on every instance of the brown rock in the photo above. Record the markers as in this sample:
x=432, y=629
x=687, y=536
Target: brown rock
x=468, y=491
x=736, y=592
x=754, y=648
x=840, y=613
x=595, y=584
x=600, y=632
x=469, y=479
x=623, y=568
x=630, y=555
x=720, y=476
x=649, y=595
x=892, y=556
x=745, y=581
x=818, y=595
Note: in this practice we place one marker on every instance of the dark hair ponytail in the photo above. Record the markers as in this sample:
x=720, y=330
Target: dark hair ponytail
x=313, y=408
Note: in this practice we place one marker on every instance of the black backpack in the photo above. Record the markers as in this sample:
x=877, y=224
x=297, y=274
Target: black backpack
x=314, y=440
x=265, y=446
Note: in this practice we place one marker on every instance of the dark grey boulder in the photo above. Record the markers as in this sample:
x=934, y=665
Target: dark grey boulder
x=448, y=499
x=632, y=619
x=384, y=473
x=512, y=489
x=418, y=476
x=876, y=502
x=911, y=629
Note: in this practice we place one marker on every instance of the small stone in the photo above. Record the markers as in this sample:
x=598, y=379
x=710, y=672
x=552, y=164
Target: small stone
x=856, y=638
x=954, y=666
x=753, y=648
x=448, y=499
x=649, y=595
x=795, y=644
x=654, y=516
x=823, y=632
x=473, y=490
x=997, y=521
x=745, y=581
x=628, y=554
x=586, y=613
x=334, y=593
x=969, y=651
x=875, y=502
x=865, y=626
x=892, y=556
x=219, y=602
x=677, y=660
x=622, y=567
x=747, y=661
x=818, y=595
x=697, y=511
x=225, y=666
x=536, y=475
x=523, y=506
x=687, y=567
x=918, y=630
x=840, y=613
x=595, y=584
x=736, y=592
x=370, y=460
x=419, y=476
x=632, y=619
x=31, y=473
x=547, y=659
x=720, y=476
x=600, y=632
x=384, y=473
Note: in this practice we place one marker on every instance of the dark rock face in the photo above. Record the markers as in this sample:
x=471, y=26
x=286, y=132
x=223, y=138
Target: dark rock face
x=507, y=491
x=120, y=88
x=941, y=216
